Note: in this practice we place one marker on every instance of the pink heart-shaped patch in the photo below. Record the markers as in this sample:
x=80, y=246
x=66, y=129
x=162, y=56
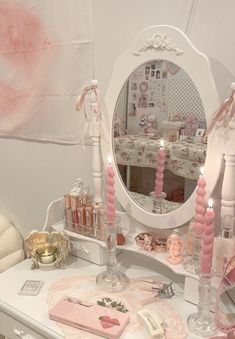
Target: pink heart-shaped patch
x=108, y=322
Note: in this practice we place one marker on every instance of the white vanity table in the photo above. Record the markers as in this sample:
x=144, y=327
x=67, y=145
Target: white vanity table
x=24, y=315
x=28, y=315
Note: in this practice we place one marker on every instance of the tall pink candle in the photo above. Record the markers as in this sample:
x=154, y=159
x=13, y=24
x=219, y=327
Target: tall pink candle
x=200, y=210
x=160, y=170
x=110, y=192
x=208, y=240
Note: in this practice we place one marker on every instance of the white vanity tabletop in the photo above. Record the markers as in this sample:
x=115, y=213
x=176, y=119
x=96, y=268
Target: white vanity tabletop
x=32, y=311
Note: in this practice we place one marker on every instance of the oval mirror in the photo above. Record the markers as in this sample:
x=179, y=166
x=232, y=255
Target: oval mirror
x=161, y=88
x=158, y=102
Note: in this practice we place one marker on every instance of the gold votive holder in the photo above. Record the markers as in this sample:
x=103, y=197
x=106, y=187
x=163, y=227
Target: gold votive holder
x=46, y=254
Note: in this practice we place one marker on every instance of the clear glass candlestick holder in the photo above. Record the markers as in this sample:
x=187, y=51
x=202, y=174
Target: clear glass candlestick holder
x=158, y=202
x=112, y=279
x=202, y=322
x=192, y=264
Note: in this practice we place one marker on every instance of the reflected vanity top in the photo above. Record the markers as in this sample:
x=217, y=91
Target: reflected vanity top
x=183, y=158
x=147, y=203
x=18, y=307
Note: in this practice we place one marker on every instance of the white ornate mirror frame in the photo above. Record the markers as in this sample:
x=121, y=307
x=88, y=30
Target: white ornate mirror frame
x=165, y=43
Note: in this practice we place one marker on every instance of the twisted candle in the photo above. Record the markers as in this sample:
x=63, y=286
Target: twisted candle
x=160, y=171
x=110, y=192
x=200, y=205
x=208, y=240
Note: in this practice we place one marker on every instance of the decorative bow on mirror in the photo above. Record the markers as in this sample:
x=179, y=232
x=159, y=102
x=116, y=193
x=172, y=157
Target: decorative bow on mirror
x=225, y=305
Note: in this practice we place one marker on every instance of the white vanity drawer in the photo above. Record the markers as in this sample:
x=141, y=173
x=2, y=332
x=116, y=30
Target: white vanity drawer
x=14, y=329
x=88, y=250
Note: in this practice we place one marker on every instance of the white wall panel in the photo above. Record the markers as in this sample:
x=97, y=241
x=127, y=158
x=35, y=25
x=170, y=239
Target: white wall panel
x=34, y=174
x=213, y=32
x=116, y=23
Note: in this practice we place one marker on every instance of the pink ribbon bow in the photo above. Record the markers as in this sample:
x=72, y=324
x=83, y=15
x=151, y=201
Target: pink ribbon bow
x=224, y=114
x=86, y=90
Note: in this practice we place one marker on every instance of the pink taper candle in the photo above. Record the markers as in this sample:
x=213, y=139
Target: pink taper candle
x=207, y=240
x=110, y=192
x=200, y=205
x=160, y=170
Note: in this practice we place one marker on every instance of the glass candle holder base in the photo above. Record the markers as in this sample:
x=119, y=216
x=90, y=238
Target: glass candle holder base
x=203, y=328
x=158, y=202
x=202, y=322
x=192, y=265
x=114, y=282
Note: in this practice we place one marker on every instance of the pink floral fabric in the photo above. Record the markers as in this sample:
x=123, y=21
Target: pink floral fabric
x=183, y=158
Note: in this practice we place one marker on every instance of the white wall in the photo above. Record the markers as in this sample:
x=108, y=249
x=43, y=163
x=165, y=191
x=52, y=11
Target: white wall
x=116, y=23
x=209, y=24
x=32, y=174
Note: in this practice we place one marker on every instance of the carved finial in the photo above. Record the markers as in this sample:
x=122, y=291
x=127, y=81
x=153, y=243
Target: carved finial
x=159, y=42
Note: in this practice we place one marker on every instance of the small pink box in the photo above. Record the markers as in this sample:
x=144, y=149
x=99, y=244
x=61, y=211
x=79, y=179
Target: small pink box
x=90, y=317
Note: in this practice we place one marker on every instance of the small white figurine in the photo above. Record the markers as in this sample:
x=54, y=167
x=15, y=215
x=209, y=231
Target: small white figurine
x=175, y=248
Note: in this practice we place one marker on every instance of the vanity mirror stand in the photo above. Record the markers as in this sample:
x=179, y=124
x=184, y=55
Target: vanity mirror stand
x=163, y=60
x=158, y=77
x=158, y=46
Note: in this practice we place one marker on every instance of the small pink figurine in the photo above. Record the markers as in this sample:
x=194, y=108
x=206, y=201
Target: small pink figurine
x=175, y=248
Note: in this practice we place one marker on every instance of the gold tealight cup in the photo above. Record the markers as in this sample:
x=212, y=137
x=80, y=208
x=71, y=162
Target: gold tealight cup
x=46, y=254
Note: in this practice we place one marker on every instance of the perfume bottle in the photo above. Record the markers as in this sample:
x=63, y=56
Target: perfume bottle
x=224, y=245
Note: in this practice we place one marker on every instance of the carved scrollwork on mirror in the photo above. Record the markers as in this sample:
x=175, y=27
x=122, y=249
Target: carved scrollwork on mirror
x=161, y=88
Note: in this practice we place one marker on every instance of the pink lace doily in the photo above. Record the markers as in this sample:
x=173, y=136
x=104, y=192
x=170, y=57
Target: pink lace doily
x=84, y=287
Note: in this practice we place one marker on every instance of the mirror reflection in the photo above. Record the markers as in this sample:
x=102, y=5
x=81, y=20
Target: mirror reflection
x=159, y=101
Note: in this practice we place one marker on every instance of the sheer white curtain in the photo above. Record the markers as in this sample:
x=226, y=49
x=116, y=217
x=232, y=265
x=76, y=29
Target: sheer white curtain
x=45, y=60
